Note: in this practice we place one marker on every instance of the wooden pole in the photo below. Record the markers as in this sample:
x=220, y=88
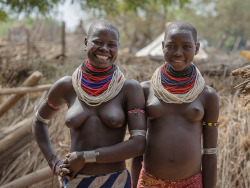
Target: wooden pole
x=28, y=44
x=24, y=90
x=63, y=39
x=30, y=179
x=14, y=137
x=12, y=99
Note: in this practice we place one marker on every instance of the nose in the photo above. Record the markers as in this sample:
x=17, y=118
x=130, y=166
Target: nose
x=104, y=48
x=178, y=52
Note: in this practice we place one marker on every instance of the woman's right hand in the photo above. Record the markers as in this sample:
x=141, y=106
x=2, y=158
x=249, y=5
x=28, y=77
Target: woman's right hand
x=73, y=163
x=61, y=173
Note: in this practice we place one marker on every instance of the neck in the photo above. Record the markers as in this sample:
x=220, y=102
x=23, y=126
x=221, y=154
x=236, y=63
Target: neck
x=88, y=68
x=180, y=74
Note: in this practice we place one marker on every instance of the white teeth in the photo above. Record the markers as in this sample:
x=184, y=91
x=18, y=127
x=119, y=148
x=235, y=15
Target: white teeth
x=102, y=57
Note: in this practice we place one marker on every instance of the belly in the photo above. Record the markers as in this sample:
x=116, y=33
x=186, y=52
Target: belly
x=173, y=152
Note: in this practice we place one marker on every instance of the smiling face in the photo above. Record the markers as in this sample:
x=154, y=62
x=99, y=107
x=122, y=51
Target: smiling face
x=179, y=48
x=102, y=46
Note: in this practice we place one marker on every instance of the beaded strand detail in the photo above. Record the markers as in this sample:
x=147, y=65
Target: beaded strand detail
x=177, y=90
x=95, y=86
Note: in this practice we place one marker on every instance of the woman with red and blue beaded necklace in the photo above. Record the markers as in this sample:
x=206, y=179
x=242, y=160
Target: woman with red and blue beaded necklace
x=181, y=111
x=102, y=104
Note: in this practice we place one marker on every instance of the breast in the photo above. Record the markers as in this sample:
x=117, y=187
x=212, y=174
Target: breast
x=113, y=117
x=77, y=114
x=193, y=111
x=75, y=117
x=156, y=108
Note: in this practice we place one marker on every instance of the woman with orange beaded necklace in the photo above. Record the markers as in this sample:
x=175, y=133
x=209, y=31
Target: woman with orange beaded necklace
x=101, y=105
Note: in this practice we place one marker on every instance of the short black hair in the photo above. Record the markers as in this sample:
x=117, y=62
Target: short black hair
x=182, y=26
x=106, y=24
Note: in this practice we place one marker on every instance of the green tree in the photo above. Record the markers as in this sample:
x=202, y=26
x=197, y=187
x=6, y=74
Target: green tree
x=224, y=23
x=17, y=6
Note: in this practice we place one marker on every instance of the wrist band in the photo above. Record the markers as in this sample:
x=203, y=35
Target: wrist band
x=137, y=132
x=54, y=166
x=90, y=156
x=209, y=150
x=52, y=156
x=38, y=117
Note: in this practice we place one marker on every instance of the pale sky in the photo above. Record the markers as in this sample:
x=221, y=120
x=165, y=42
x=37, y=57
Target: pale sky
x=70, y=13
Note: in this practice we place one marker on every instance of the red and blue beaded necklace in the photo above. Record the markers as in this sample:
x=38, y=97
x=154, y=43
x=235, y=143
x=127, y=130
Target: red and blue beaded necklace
x=178, y=82
x=95, y=80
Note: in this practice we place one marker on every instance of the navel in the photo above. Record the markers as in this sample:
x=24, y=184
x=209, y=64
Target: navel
x=171, y=160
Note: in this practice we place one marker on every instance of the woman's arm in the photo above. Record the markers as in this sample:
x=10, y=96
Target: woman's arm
x=44, y=113
x=210, y=136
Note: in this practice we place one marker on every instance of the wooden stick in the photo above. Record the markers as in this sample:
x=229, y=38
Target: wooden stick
x=24, y=90
x=14, y=137
x=12, y=99
x=30, y=179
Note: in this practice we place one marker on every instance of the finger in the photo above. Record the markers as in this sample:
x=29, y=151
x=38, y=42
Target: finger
x=68, y=178
x=64, y=171
x=66, y=161
x=67, y=155
x=60, y=180
x=73, y=175
x=64, y=166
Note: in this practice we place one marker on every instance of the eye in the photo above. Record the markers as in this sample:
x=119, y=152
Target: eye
x=112, y=45
x=187, y=47
x=170, y=46
x=97, y=42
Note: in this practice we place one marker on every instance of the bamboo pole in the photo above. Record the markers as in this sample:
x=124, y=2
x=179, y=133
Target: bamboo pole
x=24, y=90
x=14, y=137
x=12, y=99
x=30, y=179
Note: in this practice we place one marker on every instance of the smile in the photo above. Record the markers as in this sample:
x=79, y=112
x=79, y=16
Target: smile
x=102, y=57
x=178, y=61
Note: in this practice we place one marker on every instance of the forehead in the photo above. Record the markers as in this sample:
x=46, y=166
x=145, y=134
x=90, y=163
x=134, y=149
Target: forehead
x=179, y=35
x=103, y=32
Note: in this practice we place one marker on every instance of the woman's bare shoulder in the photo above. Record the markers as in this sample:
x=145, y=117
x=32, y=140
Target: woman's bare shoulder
x=210, y=96
x=62, y=85
x=209, y=91
x=132, y=85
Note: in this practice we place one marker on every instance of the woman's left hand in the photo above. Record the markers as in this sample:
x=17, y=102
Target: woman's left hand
x=74, y=162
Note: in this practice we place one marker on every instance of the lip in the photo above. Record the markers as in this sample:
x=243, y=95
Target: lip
x=178, y=60
x=102, y=57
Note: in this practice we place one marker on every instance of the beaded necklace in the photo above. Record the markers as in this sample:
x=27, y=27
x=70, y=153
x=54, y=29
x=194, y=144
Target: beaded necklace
x=178, y=82
x=182, y=89
x=95, y=82
x=95, y=86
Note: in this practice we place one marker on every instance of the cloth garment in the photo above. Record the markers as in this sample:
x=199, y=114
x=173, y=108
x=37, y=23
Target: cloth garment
x=148, y=180
x=121, y=179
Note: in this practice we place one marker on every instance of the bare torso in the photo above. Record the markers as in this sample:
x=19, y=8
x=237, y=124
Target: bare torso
x=93, y=127
x=173, y=149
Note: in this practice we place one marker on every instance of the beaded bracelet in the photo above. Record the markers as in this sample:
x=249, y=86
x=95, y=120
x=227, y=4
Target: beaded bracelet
x=210, y=124
x=136, y=111
x=51, y=158
x=51, y=105
x=54, y=165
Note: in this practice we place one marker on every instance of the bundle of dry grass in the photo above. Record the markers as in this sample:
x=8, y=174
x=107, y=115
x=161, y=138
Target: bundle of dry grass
x=244, y=87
